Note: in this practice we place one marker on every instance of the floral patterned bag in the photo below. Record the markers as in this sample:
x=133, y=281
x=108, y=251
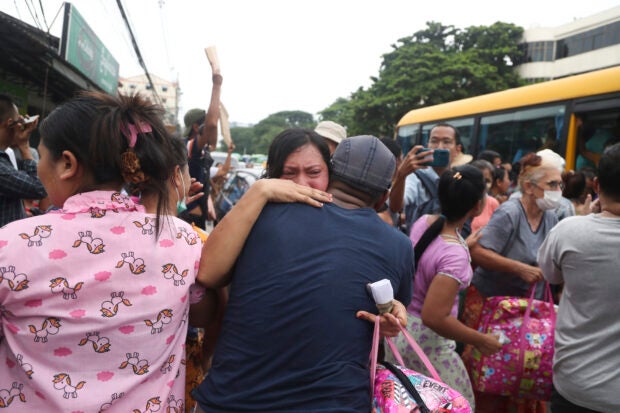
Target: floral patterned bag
x=397, y=389
x=523, y=368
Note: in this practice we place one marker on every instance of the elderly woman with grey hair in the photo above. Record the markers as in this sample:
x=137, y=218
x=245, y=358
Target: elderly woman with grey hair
x=506, y=253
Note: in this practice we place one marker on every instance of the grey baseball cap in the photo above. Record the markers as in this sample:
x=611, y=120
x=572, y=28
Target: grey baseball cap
x=364, y=163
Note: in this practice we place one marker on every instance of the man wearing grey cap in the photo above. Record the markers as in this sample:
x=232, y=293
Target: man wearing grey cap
x=290, y=339
x=332, y=133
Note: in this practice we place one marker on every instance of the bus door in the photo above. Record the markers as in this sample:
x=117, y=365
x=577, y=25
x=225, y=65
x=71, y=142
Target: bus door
x=596, y=126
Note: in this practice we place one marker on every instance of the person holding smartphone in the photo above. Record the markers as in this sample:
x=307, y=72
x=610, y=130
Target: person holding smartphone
x=414, y=189
x=23, y=182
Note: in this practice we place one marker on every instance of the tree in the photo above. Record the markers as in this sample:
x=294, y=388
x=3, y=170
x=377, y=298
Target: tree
x=435, y=65
x=243, y=138
x=257, y=138
x=272, y=125
x=340, y=112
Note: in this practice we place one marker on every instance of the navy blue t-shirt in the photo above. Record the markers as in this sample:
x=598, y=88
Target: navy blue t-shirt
x=290, y=340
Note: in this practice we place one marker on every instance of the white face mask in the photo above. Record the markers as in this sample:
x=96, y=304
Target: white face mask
x=551, y=200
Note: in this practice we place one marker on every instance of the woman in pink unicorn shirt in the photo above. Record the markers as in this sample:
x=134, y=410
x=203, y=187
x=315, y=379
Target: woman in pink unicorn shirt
x=95, y=296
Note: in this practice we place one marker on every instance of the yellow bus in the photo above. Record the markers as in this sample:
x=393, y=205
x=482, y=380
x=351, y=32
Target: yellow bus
x=517, y=121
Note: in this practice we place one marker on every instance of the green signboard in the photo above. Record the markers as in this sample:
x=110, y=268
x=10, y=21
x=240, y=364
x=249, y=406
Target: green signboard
x=82, y=48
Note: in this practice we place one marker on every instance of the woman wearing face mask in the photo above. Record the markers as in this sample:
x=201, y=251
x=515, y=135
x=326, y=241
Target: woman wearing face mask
x=506, y=254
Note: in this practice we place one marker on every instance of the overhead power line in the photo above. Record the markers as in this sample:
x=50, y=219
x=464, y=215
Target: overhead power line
x=137, y=50
x=43, y=14
x=34, y=19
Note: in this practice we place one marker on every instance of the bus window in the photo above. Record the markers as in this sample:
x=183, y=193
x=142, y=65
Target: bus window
x=408, y=136
x=517, y=133
x=598, y=130
x=465, y=127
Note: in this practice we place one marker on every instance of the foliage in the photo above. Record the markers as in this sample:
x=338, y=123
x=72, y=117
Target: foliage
x=257, y=139
x=435, y=65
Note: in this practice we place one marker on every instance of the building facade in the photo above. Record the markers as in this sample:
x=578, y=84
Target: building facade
x=583, y=45
x=163, y=92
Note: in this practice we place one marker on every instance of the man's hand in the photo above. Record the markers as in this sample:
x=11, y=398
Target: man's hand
x=21, y=137
x=389, y=324
x=415, y=159
x=22, y=133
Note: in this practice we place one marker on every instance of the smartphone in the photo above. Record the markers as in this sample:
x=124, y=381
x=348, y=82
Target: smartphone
x=441, y=157
x=30, y=119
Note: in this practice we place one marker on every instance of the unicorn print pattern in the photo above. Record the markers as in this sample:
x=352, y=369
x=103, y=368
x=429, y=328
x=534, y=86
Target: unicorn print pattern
x=61, y=285
x=27, y=367
x=100, y=344
x=148, y=227
x=138, y=366
x=50, y=326
x=8, y=395
x=16, y=282
x=152, y=405
x=109, y=308
x=106, y=406
x=190, y=237
x=94, y=245
x=164, y=317
x=40, y=232
x=131, y=359
x=62, y=381
x=136, y=265
x=167, y=366
x=170, y=272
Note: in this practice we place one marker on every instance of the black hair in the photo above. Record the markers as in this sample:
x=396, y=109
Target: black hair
x=499, y=174
x=179, y=152
x=90, y=126
x=460, y=189
x=457, y=135
x=609, y=172
x=7, y=107
x=574, y=184
x=287, y=142
x=489, y=155
x=393, y=146
x=482, y=164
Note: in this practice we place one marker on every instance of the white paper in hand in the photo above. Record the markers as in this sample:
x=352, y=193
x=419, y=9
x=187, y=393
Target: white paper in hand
x=382, y=291
x=211, y=53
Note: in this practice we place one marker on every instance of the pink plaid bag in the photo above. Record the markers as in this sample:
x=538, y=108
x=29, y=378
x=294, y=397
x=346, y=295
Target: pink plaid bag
x=392, y=394
x=523, y=368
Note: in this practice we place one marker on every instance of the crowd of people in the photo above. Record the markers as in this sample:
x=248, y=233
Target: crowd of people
x=126, y=303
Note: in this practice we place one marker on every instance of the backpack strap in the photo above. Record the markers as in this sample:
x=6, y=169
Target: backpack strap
x=430, y=206
x=404, y=380
x=424, y=241
x=430, y=186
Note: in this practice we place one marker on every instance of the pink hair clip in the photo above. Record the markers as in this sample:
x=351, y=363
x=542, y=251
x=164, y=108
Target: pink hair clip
x=131, y=131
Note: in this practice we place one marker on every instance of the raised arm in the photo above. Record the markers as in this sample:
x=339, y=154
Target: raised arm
x=225, y=243
x=209, y=133
x=411, y=163
x=23, y=183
